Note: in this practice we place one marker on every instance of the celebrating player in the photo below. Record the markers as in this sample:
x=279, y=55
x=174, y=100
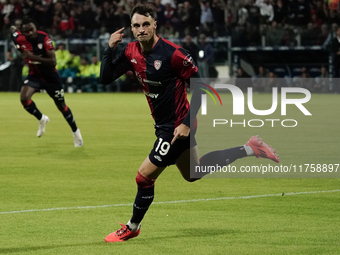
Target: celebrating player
x=163, y=69
x=38, y=51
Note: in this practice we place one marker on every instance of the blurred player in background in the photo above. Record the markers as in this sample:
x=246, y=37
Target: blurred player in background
x=163, y=69
x=37, y=50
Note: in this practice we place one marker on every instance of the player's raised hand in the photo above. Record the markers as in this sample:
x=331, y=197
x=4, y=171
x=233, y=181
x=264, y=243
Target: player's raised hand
x=13, y=29
x=116, y=38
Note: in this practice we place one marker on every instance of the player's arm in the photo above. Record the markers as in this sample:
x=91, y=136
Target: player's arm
x=195, y=102
x=112, y=67
x=49, y=60
x=183, y=130
x=186, y=69
x=14, y=36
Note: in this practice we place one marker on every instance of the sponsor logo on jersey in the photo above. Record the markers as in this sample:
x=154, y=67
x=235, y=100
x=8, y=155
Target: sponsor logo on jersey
x=153, y=83
x=34, y=62
x=151, y=95
x=133, y=61
x=40, y=46
x=157, y=64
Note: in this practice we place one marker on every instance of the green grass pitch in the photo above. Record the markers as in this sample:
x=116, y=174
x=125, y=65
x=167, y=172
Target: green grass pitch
x=90, y=189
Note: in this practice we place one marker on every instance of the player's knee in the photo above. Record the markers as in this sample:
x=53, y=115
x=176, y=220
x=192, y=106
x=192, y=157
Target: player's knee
x=25, y=101
x=144, y=182
x=62, y=107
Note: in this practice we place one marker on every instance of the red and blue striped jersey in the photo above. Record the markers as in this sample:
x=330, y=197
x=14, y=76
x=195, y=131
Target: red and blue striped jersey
x=39, y=47
x=162, y=72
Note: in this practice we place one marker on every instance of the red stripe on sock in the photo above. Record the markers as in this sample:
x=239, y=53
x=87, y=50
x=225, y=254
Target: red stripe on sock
x=27, y=103
x=65, y=108
x=144, y=182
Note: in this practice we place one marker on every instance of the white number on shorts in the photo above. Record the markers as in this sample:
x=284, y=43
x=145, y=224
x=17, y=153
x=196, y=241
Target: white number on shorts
x=59, y=93
x=163, y=146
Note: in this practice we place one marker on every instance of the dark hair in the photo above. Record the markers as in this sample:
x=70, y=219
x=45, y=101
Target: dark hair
x=26, y=20
x=143, y=10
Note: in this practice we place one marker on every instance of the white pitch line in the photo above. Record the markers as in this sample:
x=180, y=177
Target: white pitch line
x=173, y=202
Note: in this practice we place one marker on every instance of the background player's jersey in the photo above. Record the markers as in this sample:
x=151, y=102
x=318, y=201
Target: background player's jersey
x=39, y=47
x=162, y=72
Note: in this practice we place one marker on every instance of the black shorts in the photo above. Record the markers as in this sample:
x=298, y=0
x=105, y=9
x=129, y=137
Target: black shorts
x=54, y=90
x=163, y=153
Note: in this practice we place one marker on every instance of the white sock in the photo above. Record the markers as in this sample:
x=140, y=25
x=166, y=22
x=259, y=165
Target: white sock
x=249, y=150
x=42, y=117
x=133, y=226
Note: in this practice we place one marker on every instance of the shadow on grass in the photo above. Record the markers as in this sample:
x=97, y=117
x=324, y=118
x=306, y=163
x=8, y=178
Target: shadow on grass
x=46, y=247
x=186, y=232
x=189, y=232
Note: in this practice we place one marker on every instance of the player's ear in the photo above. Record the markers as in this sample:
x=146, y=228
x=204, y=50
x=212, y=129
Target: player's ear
x=155, y=24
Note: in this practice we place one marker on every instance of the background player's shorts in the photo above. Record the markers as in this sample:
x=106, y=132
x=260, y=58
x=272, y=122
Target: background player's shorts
x=54, y=90
x=163, y=153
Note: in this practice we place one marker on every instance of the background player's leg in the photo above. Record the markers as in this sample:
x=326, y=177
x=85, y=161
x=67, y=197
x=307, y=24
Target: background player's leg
x=28, y=104
x=63, y=108
x=25, y=98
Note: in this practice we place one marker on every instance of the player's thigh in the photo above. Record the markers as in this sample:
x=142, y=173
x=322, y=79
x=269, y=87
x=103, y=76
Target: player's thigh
x=30, y=86
x=186, y=160
x=26, y=93
x=150, y=170
x=56, y=92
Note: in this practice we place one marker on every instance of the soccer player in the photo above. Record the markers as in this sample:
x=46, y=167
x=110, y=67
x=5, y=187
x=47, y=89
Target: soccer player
x=163, y=69
x=38, y=51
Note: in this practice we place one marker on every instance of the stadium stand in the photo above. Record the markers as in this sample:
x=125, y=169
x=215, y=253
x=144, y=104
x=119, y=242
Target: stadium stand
x=281, y=35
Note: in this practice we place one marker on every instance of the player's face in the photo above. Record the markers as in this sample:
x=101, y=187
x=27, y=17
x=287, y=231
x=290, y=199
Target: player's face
x=30, y=31
x=143, y=28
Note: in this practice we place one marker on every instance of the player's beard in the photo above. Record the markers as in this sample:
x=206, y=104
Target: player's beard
x=145, y=39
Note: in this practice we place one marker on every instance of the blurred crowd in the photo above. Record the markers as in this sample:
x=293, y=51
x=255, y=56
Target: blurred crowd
x=316, y=80
x=245, y=20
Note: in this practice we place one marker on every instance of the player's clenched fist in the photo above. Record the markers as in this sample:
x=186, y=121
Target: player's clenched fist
x=13, y=29
x=116, y=38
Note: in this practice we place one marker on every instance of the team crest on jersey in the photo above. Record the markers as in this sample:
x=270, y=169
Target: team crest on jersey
x=40, y=46
x=157, y=64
